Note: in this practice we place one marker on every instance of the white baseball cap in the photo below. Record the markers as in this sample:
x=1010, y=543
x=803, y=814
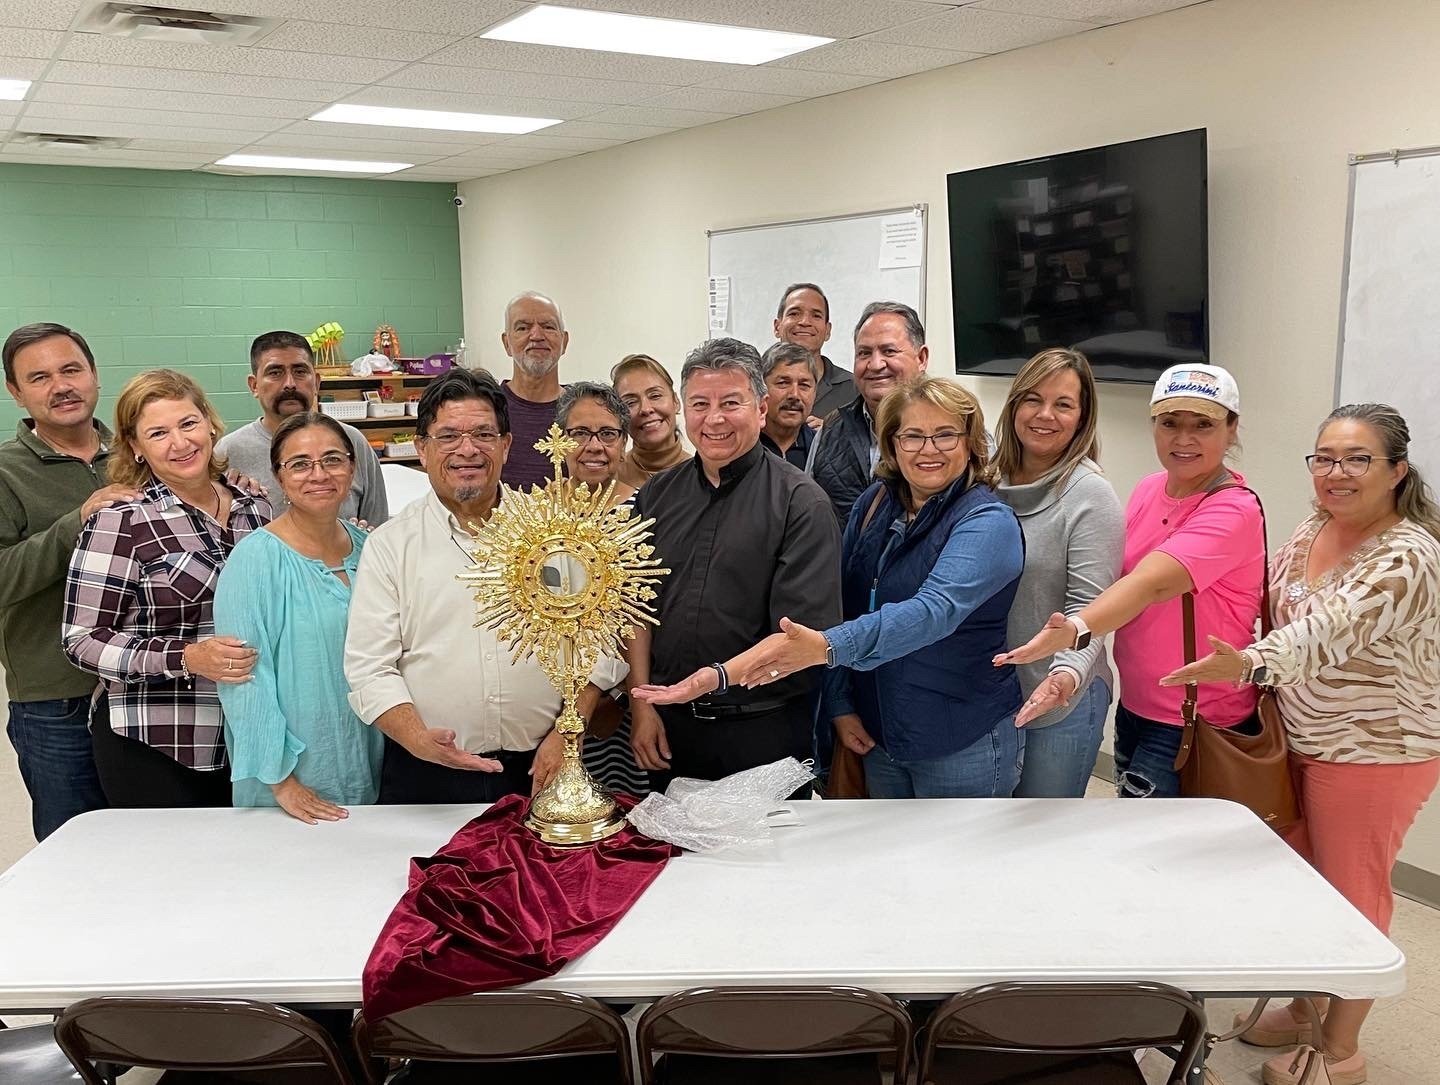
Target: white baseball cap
x=1203, y=389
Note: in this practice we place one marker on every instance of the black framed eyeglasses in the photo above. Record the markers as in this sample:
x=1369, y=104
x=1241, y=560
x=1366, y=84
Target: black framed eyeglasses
x=944, y=441
x=607, y=435
x=1350, y=466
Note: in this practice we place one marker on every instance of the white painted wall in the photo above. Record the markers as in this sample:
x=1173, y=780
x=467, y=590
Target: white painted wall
x=1287, y=88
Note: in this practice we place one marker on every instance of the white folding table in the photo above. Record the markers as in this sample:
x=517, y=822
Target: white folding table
x=916, y=898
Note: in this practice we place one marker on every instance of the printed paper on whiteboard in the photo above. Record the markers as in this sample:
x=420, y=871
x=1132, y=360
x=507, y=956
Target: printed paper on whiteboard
x=901, y=241
x=719, y=303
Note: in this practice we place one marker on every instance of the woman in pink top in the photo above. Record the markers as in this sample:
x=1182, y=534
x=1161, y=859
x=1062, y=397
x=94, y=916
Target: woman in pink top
x=1189, y=528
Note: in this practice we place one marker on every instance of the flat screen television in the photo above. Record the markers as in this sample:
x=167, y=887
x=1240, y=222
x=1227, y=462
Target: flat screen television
x=1104, y=250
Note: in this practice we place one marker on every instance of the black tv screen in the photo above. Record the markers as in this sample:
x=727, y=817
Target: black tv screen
x=1104, y=250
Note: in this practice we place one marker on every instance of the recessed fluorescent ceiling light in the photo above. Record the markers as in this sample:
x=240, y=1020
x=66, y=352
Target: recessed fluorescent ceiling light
x=13, y=90
x=320, y=165
x=610, y=32
x=432, y=118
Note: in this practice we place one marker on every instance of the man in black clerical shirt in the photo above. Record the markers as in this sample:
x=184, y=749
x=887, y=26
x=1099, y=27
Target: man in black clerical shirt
x=748, y=539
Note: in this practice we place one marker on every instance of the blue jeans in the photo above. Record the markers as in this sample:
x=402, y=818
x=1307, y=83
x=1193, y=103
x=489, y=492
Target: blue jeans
x=52, y=742
x=1145, y=757
x=1060, y=758
x=988, y=768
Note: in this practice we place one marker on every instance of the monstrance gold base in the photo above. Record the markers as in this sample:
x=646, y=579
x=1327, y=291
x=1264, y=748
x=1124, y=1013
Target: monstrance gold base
x=564, y=834
x=572, y=809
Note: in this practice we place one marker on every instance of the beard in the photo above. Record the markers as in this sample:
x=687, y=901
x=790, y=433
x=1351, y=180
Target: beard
x=536, y=367
x=466, y=494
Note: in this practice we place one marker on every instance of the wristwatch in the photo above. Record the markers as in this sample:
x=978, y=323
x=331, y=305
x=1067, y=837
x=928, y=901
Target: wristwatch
x=829, y=653
x=1082, y=632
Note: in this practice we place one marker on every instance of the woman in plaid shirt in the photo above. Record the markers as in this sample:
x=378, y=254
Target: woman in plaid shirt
x=139, y=595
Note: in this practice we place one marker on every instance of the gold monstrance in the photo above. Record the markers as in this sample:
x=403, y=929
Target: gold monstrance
x=564, y=577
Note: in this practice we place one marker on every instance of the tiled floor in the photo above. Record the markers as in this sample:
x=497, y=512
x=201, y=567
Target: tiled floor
x=1402, y=1037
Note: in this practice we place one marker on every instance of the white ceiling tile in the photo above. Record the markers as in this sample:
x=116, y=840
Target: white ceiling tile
x=718, y=101
x=354, y=41
x=244, y=86
x=514, y=56
x=877, y=58
x=523, y=84
x=40, y=14
x=543, y=141
x=325, y=130
x=227, y=59
x=86, y=114
x=552, y=108
x=29, y=43
x=508, y=152
x=1099, y=12
x=331, y=146
x=980, y=31
x=210, y=151
x=828, y=18
x=454, y=174
x=482, y=159
x=659, y=118
x=435, y=16
x=119, y=156
x=21, y=67
x=622, y=133
x=794, y=81
x=182, y=101
x=130, y=130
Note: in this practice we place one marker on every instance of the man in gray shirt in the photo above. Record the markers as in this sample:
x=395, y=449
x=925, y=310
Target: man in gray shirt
x=283, y=379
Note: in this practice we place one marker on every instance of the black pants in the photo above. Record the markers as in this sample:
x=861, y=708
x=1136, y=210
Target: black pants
x=135, y=776
x=405, y=779
x=711, y=749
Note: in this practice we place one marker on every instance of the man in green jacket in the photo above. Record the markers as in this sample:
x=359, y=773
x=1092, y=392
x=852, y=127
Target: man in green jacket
x=52, y=478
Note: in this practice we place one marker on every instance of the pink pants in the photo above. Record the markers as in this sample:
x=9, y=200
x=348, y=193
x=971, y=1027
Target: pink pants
x=1355, y=819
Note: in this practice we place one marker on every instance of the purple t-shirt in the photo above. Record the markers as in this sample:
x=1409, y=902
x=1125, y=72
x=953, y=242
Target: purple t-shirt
x=529, y=421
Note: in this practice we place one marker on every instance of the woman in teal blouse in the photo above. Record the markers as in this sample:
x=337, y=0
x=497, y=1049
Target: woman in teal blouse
x=293, y=739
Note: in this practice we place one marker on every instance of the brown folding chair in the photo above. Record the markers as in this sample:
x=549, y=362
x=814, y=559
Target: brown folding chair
x=529, y=1037
x=1059, y=1034
x=765, y=1035
x=209, y=1036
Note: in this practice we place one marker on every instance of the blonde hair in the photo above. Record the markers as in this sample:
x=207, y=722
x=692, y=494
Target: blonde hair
x=1413, y=498
x=632, y=363
x=1084, y=444
x=142, y=390
x=951, y=398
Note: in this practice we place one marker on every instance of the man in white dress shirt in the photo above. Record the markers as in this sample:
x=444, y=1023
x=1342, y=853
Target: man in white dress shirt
x=462, y=724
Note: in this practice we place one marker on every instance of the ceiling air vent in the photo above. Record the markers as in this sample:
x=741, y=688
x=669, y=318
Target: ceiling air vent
x=66, y=142
x=173, y=24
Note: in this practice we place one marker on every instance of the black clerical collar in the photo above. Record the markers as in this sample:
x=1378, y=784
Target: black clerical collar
x=733, y=471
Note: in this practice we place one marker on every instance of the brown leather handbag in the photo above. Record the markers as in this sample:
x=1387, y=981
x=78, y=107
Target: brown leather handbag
x=1224, y=762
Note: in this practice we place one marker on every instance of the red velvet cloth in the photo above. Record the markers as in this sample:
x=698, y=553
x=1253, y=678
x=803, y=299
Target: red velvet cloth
x=497, y=906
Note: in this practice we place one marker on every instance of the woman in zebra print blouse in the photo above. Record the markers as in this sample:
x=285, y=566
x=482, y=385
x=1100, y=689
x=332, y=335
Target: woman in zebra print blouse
x=1355, y=659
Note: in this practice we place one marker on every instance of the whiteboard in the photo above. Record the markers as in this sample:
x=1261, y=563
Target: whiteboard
x=1391, y=307
x=842, y=255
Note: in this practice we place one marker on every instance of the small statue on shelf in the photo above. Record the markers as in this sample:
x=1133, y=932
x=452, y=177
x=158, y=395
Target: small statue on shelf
x=387, y=341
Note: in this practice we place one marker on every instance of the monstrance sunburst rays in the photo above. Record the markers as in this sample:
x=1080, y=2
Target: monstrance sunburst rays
x=562, y=576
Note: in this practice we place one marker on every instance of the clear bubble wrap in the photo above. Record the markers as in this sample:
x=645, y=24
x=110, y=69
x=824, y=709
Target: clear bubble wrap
x=706, y=815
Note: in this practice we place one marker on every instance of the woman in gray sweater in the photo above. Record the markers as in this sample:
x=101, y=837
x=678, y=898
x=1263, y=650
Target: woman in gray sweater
x=1074, y=541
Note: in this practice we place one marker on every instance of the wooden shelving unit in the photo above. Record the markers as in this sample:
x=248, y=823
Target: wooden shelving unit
x=352, y=389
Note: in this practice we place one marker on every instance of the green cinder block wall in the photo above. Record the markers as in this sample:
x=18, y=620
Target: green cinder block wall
x=159, y=268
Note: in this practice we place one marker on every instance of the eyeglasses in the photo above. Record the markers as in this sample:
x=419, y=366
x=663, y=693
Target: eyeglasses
x=447, y=440
x=945, y=441
x=1350, y=466
x=607, y=435
x=331, y=463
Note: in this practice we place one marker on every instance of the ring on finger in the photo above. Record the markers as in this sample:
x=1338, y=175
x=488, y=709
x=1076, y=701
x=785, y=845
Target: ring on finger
x=229, y=664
